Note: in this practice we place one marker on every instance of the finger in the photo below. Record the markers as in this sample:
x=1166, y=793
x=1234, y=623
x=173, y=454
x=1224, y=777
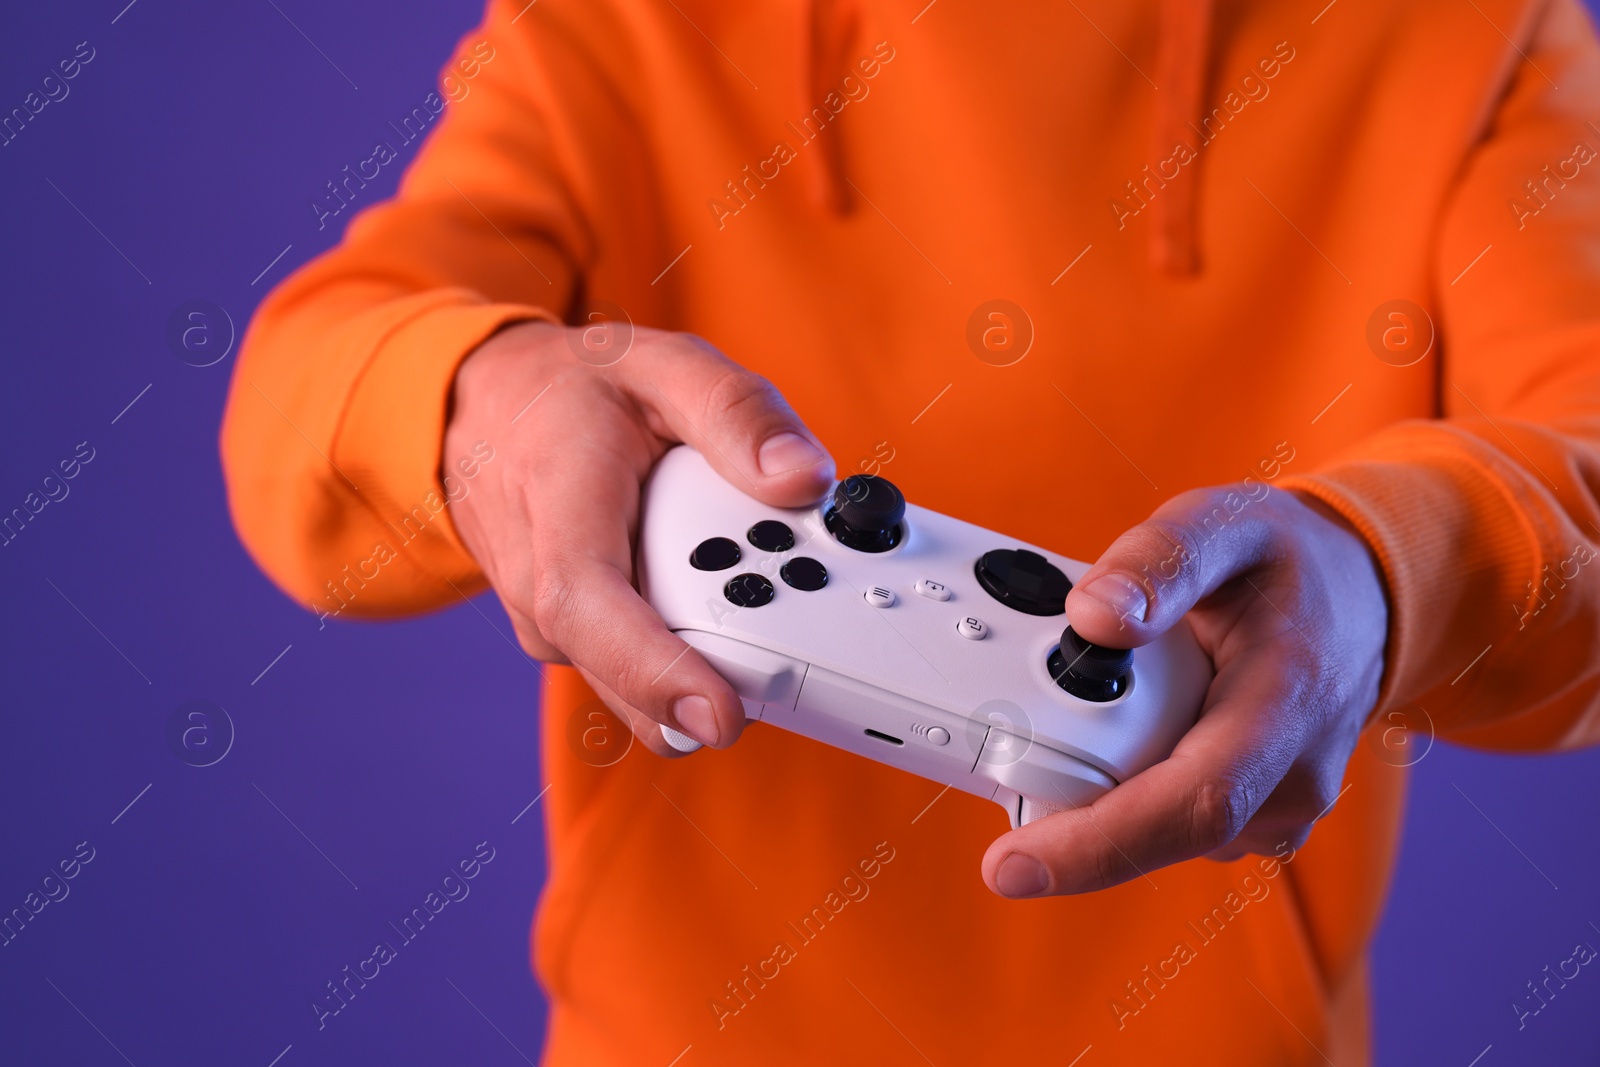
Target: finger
x=1193, y=803
x=646, y=729
x=733, y=417
x=589, y=611
x=1307, y=794
x=582, y=601
x=529, y=637
x=1154, y=573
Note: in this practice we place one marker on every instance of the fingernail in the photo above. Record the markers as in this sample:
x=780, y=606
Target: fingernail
x=696, y=719
x=787, y=451
x=1020, y=875
x=1120, y=594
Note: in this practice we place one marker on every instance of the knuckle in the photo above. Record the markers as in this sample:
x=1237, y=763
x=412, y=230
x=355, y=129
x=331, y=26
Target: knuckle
x=738, y=393
x=1336, y=692
x=1218, y=813
x=1166, y=535
x=1343, y=687
x=1109, y=868
x=632, y=681
x=1206, y=522
x=1305, y=685
x=1167, y=550
x=553, y=602
x=516, y=597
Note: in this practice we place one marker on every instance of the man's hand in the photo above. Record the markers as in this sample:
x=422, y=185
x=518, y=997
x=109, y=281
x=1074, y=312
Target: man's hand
x=1287, y=601
x=553, y=525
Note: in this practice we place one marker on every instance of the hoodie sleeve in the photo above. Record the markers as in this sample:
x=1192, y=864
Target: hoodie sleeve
x=332, y=437
x=1486, y=521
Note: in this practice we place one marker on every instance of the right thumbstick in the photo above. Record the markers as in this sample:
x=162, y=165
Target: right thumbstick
x=1089, y=671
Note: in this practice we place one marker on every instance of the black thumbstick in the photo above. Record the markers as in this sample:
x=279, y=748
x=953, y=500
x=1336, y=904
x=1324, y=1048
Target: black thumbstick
x=866, y=513
x=1095, y=661
x=1089, y=671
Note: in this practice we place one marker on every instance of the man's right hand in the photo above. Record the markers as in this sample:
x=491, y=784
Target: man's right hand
x=552, y=521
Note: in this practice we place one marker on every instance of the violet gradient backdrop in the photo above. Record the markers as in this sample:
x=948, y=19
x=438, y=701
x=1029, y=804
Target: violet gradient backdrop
x=207, y=921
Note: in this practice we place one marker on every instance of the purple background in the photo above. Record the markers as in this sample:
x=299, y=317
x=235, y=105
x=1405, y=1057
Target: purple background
x=219, y=903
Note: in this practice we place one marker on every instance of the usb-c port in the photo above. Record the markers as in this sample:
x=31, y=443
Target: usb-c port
x=885, y=737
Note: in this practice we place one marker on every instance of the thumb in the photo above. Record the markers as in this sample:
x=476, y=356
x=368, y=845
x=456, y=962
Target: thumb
x=1153, y=574
x=735, y=418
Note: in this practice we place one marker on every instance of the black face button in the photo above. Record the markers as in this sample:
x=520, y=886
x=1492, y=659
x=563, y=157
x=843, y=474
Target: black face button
x=748, y=590
x=714, y=554
x=1024, y=580
x=866, y=513
x=1088, y=671
x=770, y=535
x=804, y=573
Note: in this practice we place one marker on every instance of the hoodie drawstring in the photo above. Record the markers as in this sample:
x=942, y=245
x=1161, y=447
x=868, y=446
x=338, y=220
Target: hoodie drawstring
x=1182, y=67
x=832, y=27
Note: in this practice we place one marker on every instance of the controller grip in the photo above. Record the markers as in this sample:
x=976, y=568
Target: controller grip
x=679, y=740
x=1030, y=810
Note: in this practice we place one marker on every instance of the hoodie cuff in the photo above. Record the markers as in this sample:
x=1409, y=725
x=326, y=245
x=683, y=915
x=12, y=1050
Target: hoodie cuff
x=1453, y=543
x=390, y=439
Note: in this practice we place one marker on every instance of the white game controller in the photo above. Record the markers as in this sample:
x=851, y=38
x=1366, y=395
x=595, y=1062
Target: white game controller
x=909, y=637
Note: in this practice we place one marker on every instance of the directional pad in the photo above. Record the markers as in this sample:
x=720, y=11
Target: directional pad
x=1024, y=580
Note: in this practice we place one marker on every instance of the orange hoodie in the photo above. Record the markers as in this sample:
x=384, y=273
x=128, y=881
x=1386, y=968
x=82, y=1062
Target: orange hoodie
x=1203, y=222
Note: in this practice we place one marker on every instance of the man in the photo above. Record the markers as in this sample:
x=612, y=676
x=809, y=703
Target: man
x=1050, y=270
